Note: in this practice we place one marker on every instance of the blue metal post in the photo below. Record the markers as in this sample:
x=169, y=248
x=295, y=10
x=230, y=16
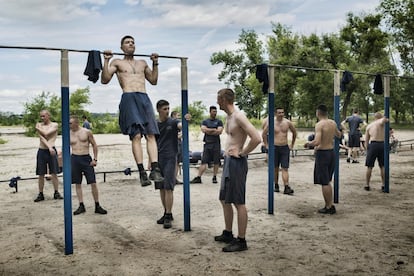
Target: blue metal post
x=185, y=147
x=271, y=137
x=67, y=181
x=337, y=100
x=387, y=135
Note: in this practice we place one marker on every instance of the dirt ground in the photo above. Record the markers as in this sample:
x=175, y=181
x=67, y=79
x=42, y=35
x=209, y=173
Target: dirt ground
x=371, y=234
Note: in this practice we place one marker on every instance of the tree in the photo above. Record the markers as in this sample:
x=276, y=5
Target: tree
x=239, y=69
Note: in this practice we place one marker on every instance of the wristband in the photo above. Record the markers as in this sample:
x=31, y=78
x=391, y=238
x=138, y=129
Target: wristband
x=96, y=160
x=155, y=64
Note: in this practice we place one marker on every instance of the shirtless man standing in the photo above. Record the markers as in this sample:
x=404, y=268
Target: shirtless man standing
x=325, y=132
x=82, y=163
x=374, y=138
x=47, y=154
x=233, y=181
x=136, y=114
x=282, y=148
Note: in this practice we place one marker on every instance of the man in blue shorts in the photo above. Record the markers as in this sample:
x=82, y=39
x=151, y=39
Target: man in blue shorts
x=212, y=129
x=136, y=114
x=233, y=180
x=83, y=164
x=374, y=138
x=354, y=136
x=325, y=132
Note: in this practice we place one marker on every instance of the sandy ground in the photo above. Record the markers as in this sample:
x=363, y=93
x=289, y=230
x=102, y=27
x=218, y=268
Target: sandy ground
x=371, y=234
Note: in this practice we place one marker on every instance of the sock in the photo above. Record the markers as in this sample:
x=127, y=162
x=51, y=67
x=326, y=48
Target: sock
x=228, y=233
x=40, y=193
x=242, y=239
x=168, y=215
x=141, y=168
x=81, y=204
x=154, y=165
x=96, y=204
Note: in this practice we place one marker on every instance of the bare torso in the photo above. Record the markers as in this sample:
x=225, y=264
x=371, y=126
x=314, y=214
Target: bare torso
x=375, y=131
x=281, y=132
x=325, y=132
x=52, y=130
x=131, y=74
x=236, y=136
x=79, y=141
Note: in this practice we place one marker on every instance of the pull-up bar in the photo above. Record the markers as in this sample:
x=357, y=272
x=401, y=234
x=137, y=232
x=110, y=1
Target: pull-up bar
x=79, y=51
x=64, y=74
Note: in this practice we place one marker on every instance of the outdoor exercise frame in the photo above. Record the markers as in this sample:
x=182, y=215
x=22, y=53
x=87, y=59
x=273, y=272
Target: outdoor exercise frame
x=337, y=99
x=67, y=185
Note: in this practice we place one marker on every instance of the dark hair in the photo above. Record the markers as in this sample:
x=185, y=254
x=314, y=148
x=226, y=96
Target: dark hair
x=173, y=113
x=322, y=109
x=162, y=103
x=355, y=110
x=84, y=117
x=125, y=37
x=213, y=107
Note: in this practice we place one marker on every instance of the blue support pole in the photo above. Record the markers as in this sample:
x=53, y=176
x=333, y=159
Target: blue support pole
x=271, y=137
x=67, y=181
x=337, y=100
x=387, y=135
x=185, y=147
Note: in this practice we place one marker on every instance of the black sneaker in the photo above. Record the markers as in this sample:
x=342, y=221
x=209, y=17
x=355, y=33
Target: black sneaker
x=355, y=161
x=57, y=196
x=167, y=221
x=348, y=160
x=156, y=176
x=161, y=219
x=277, y=188
x=196, y=180
x=288, y=191
x=367, y=188
x=329, y=211
x=80, y=210
x=143, y=178
x=235, y=246
x=226, y=237
x=100, y=210
x=214, y=179
x=40, y=197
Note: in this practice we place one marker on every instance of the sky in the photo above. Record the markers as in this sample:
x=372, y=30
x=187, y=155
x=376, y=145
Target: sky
x=184, y=28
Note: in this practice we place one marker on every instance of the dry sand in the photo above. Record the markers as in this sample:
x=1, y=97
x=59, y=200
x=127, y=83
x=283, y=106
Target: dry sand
x=371, y=234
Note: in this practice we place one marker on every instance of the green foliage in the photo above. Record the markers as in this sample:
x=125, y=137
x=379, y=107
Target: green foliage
x=105, y=123
x=9, y=119
x=197, y=111
x=2, y=141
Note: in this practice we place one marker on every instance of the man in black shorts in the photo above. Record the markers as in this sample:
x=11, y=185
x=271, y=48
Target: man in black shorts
x=83, y=164
x=212, y=129
x=354, y=136
x=325, y=132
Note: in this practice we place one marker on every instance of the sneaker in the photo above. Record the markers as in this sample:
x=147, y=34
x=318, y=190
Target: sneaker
x=348, y=160
x=214, y=179
x=143, y=178
x=167, y=221
x=367, y=188
x=277, y=188
x=288, y=190
x=161, y=219
x=100, y=210
x=329, y=211
x=57, y=196
x=155, y=175
x=196, y=180
x=80, y=210
x=235, y=246
x=355, y=161
x=226, y=237
x=40, y=197
x=383, y=189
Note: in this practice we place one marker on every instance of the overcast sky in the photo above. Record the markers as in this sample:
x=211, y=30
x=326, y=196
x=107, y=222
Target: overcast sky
x=185, y=28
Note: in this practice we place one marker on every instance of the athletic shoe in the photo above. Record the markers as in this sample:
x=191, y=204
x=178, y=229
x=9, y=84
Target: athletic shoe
x=355, y=161
x=143, y=178
x=80, y=210
x=348, y=160
x=57, y=196
x=161, y=219
x=40, y=197
x=226, y=237
x=235, y=246
x=277, y=188
x=155, y=175
x=288, y=190
x=167, y=221
x=214, y=179
x=100, y=210
x=367, y=188
x=196, y=180
x=329, y=211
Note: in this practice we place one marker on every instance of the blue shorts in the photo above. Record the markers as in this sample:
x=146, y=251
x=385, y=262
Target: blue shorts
x=282, y=156
x=81, y=165
x=375, y=151
x=324, y=167
x=233, y=180
x=45, y=160
x=136, y=115
x=167, y=166
x=211, y=153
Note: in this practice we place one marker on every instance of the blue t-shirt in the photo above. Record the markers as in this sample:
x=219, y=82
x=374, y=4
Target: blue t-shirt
x=354, y=122
x=86, y=125
x=167, y=141
x=210, y=123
